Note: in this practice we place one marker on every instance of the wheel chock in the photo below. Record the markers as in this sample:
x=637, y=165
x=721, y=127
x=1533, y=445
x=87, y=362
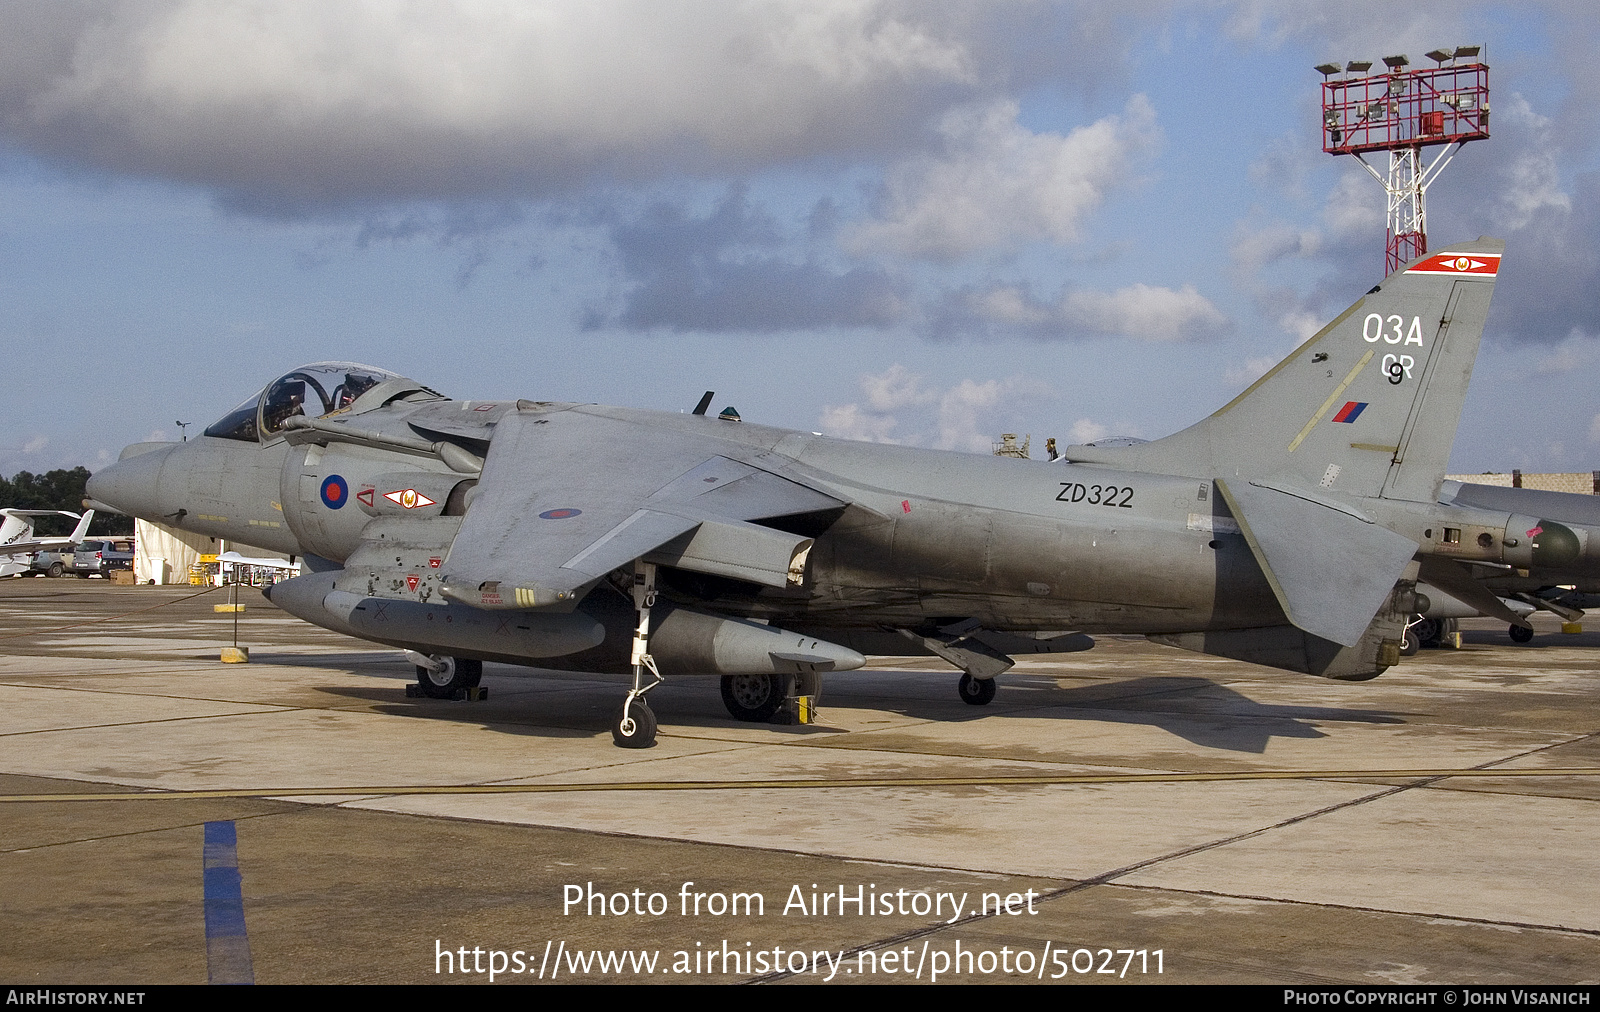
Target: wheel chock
x=797, y=710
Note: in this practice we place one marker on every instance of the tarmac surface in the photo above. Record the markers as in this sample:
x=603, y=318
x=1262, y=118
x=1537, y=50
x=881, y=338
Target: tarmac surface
x=1129, y=814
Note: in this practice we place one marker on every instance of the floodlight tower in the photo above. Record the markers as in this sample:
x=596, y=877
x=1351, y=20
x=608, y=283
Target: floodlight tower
x=1402, y=111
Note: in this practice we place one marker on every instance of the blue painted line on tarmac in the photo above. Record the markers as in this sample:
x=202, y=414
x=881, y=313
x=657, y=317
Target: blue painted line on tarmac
x=227, y=945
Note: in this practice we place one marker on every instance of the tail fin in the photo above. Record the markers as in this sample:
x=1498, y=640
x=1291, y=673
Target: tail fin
x=82, y=530
x=16, y=527
x=1367, y=407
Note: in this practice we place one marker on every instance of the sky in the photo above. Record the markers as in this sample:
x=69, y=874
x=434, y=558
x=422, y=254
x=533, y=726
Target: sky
x=924, y=223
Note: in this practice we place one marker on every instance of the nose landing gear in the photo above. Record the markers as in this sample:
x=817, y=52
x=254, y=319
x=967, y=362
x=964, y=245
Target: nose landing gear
x=440, y=677
x=636, y=727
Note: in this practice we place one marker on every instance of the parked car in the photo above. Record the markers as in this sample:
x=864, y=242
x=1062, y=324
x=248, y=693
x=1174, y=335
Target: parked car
x=50, y=563
x=102, y=557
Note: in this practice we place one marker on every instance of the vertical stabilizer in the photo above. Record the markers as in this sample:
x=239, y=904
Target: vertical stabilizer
x=17, y=527
x=82, y=530
x=1366, y=407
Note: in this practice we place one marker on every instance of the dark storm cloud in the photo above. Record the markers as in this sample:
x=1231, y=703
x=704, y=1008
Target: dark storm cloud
x=732, y=270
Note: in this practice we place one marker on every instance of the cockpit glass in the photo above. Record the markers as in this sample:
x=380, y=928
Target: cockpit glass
x=287, y=397
x=240, y=423
x=316, y=390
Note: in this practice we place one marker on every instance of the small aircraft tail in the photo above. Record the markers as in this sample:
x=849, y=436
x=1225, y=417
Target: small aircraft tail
x=1366, y=407
x=82, y=530
x=17, y=527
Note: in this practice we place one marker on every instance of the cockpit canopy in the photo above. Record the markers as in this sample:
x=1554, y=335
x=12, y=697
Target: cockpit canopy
x=318, y=389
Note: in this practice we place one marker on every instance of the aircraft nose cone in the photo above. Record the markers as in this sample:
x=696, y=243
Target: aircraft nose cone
x=133, y=484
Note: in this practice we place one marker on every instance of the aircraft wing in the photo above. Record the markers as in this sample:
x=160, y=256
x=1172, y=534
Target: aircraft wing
x=568, y=496
x=265, y=563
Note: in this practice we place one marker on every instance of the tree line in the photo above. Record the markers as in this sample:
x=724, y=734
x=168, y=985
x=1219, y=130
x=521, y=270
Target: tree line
x=60, y=489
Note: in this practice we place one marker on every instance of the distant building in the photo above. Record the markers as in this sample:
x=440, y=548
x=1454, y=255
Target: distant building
x=1581, y=482
x=1009, y=447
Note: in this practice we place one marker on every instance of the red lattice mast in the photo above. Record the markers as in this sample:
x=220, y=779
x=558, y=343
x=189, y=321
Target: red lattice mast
x=1403, y=111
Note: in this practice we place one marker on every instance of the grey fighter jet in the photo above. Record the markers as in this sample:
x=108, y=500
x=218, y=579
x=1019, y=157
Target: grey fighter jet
x=1286, y=529
x=1519, y=591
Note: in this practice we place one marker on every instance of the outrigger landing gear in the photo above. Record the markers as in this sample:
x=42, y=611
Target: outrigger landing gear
x=636, y=728
x=979, y=662
x=976, y=691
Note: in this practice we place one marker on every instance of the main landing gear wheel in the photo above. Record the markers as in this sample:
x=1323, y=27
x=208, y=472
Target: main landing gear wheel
x=1520, y=634
x=975, y=691
x=457, y=673
x=754, y=698
x=1430, y=633
x=636, y=727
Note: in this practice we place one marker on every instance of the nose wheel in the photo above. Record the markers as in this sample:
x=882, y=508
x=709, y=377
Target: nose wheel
x=636, y=727
x=442, y=677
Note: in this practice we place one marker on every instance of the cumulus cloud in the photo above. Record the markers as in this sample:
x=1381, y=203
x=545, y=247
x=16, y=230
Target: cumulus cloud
x=895, y=387
x=1140, y=311
x=1250, y=370
x=1577, y=351
x=997, y=184
x=1532, y=179
x=901, y=407
x=1256, y=247
x=851, y=421
x=1086, y=430
x=314, y=104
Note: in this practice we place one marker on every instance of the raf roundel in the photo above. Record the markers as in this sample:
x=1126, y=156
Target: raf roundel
x=561, y=514
x=334, y=492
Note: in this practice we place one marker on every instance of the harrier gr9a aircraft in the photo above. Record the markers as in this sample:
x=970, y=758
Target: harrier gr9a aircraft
x=1511, y=593
x=1286, y=529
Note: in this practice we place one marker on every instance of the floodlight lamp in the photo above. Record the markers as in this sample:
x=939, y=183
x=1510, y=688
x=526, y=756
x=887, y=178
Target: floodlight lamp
x=1396, y=62
x=1468, y=51
x=1440, y=55
x=1358, y=66
x=1327, y=69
